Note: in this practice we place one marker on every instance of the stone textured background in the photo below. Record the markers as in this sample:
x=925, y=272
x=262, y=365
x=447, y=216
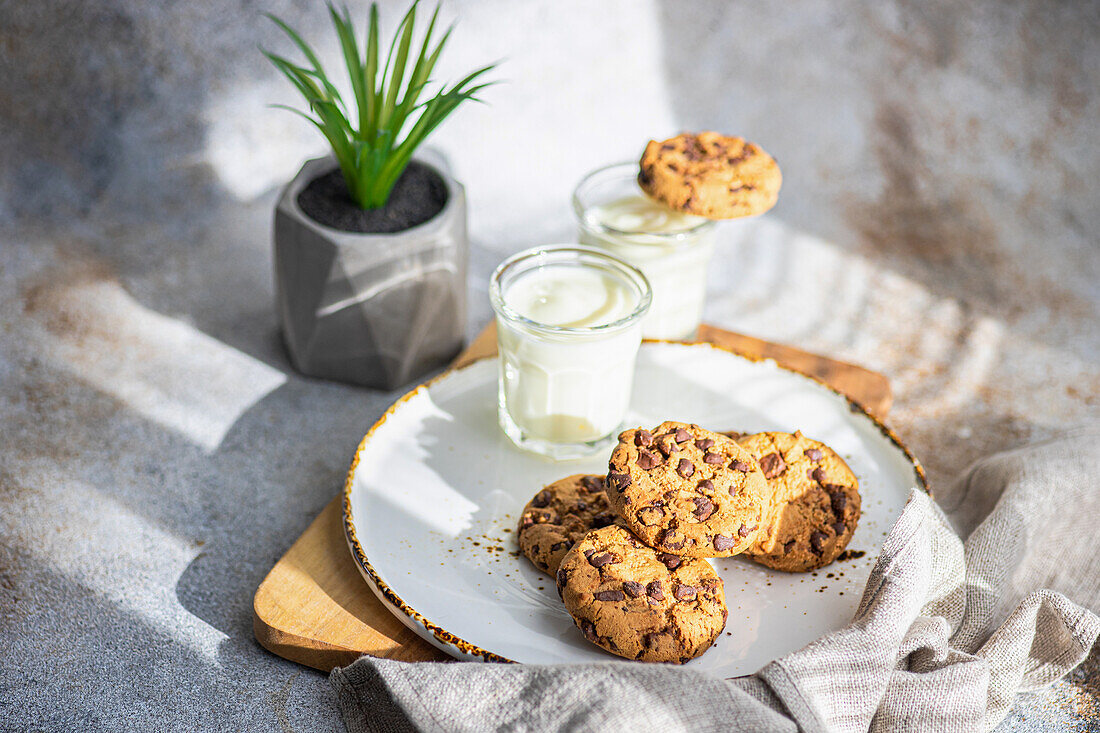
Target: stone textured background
x=938, y=223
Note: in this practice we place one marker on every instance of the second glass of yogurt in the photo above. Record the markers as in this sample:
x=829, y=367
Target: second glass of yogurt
x=568, y=331
x=672, y=248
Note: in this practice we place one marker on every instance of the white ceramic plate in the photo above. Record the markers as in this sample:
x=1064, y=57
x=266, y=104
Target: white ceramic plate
x=435, y=491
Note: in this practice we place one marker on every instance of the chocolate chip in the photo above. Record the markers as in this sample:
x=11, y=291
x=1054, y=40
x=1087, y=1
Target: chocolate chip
x=704, y=507
x=814, y=454
x=598, y=561
x=609, y=595
x=588, y=629
x=562, y=577
x=650, y=515
x=594, y=484
x=788, y=546
x=557, y=546
x=666, y=445
x=839, y=500
x=706, y=485
x=684, y=592
x=723, y=543
x=671, y=561
x=738, y=465
x=603, y=519
x=839, y=528
x=709, y=584
x=537, y=517
x=541, y=499
x=589, y=553
x=712, y=458
x=619, y=480
x=772, y=465
x=682, y=435
x=704, y=443
x=633, y=589
x=668, y=539
x=580, y=506
x=643, y=438
x=650, y=640
x=817, y=541
x=818, y=475
x=744, y=529
x=653, y=590
x=686, y=468
x=648, y=460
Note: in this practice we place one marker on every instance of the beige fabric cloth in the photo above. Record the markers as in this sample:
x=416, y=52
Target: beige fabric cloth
x=948, y=631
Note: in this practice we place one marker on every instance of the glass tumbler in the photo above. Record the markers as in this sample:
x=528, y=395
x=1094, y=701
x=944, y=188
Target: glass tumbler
x=568, y=331
x=671, y=248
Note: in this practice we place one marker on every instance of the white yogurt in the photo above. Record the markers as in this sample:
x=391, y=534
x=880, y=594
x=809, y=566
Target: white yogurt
x=640, y=214
x=568, y=331
x=671, y=248
x=567, y=296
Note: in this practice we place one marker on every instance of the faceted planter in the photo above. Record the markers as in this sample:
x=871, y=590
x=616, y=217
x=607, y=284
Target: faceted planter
x=378, y=310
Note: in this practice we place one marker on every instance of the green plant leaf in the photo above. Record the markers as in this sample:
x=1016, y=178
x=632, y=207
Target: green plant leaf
x=405, y=31
x=418, y=78
x=368, y=118
x=302, y=79
x=342, y=151
x=372, y=153
x=350, y=50
x=305, y=48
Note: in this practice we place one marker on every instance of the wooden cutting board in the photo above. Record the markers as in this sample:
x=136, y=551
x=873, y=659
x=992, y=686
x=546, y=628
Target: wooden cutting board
x=314, y=607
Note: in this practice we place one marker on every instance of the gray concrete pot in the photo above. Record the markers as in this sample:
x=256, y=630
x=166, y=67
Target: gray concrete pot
x=378, y=310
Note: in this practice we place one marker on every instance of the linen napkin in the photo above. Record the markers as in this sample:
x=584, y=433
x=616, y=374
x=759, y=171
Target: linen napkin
x=967, y=605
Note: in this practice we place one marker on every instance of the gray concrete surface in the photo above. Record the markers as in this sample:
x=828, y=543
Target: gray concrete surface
x=938, y=222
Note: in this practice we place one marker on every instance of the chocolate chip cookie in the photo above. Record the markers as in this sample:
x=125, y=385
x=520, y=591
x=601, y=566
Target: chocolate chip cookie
x=639, y=603
x=559, y=516
x=686, y=490
x=710, y=175
x=815, y=505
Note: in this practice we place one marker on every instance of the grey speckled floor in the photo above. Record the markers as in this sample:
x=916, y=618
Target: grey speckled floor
x=938, y=223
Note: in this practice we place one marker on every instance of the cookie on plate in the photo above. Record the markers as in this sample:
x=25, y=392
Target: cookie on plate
x=710, y=175
x=686, y=490
x=640, y=603
x=560, y=515
x=815, y=506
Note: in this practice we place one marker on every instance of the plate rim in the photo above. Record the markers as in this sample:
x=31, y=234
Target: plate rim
x=444, y=639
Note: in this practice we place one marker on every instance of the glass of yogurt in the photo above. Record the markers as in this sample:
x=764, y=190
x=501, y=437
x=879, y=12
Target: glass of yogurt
x=671, y=248
x=569, y=324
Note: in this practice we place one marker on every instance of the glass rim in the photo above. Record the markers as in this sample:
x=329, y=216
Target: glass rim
x=579, y=209
x=608, y=262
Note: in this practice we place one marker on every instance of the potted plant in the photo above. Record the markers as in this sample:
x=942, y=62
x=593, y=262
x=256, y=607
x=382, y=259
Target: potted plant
x=370, y=241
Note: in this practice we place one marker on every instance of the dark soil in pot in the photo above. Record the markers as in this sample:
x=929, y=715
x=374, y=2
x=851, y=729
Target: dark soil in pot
x=418, y=195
